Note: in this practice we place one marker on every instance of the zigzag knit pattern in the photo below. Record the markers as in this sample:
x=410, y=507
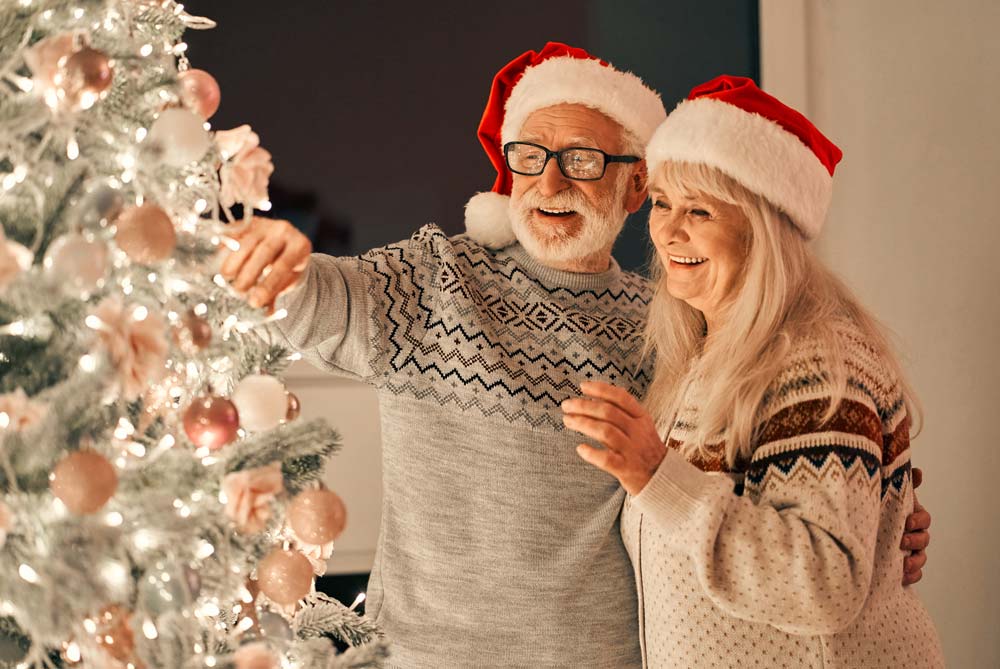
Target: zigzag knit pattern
x=868, y=432
x=801, y=567
x=473, y=330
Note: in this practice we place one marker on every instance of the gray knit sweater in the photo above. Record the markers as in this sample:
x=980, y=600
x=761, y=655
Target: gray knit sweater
x=499, y=547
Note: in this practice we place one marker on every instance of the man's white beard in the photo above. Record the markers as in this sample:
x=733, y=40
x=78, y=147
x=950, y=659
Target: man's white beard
x=601, y=223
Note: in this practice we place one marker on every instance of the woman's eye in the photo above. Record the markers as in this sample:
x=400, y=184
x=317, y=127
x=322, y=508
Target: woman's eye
x=660, y=204
x=700, y=213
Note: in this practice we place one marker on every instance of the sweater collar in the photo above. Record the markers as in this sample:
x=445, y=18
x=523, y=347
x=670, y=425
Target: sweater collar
x=555, y=278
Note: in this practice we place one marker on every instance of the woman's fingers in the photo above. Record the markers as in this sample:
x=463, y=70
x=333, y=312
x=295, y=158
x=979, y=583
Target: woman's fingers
x=614, y=394
x=608, y=460
x=599, y=409
x=608, y=434
x=916, y=541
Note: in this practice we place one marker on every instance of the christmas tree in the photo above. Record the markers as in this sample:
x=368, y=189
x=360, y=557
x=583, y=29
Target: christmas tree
x=160, y=504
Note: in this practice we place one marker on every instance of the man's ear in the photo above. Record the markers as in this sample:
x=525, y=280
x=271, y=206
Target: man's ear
x=636, y=193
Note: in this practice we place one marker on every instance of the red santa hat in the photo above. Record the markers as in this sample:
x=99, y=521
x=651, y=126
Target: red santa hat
x=555, y=75
x=771, y=149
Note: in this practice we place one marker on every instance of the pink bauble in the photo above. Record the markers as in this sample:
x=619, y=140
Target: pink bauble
x=146, y=234
x=84, y=481
x=178, y=137
x=43, y=58
x=77, y=263
x=255, y=655
x=211, y=422
x=285, y=576
x=294, y=408
x=317, y=516
x=114, y=633
x=88, y=70
x=200, y=92
x=86, y=77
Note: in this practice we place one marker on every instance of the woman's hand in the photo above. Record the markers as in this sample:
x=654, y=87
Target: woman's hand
x=633, y=449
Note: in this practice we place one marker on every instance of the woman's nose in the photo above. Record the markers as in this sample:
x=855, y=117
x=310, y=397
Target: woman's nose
x=669, y=228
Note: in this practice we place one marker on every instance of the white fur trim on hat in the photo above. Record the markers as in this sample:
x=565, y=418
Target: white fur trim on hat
x=487, y=220
x=754, y=150
x=620, y=95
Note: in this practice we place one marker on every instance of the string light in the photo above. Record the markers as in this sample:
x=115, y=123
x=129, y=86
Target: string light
x=88, y=363
x=27, y=573
x=205, y=550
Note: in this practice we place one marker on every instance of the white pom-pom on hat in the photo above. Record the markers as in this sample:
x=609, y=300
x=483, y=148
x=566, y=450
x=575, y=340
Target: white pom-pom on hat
x=558, y=74
x=487, y=220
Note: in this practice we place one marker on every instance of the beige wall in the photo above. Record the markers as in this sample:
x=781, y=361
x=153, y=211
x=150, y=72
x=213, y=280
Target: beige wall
x=910, y=89
x=355, y=472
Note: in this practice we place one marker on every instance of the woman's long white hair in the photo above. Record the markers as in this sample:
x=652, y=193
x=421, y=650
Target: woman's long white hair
x=785, y=294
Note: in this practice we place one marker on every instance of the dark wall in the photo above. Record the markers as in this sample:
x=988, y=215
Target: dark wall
x=372, y=107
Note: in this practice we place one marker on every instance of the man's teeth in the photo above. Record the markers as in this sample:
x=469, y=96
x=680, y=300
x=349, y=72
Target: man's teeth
x=687, y=261
x=556, y=212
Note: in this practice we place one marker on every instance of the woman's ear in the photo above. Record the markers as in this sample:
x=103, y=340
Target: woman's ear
x=637, y=193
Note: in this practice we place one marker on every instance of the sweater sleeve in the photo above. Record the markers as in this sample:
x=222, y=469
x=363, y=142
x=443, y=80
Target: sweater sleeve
x=796, y=550
x=361, y=316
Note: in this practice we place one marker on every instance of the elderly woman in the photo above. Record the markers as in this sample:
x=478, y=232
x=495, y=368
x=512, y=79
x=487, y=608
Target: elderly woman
x=765, y=532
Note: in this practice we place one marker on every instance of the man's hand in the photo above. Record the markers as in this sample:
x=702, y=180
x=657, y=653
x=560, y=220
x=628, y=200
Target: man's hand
x=272, y=256
x=916, y=537
x=632, y=450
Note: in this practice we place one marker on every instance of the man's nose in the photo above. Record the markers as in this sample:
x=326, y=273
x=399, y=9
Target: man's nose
x=551, y=180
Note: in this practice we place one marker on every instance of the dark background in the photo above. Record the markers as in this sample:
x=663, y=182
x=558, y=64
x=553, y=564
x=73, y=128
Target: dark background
x=370, y=108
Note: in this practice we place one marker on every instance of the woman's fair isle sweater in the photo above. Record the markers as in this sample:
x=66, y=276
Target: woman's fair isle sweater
x=793, y=560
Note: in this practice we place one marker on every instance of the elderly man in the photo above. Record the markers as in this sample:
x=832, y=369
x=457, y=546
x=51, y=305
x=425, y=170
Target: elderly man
x=499, y=547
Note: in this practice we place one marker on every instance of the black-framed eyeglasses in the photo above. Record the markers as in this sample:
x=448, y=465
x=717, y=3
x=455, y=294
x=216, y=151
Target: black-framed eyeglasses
x=576, y=162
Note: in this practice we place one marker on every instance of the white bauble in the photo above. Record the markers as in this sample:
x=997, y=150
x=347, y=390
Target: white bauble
x=179, y=137
x=77, y=263
x=261, y=402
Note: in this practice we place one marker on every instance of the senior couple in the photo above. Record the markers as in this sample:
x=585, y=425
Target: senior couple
x=745, y=486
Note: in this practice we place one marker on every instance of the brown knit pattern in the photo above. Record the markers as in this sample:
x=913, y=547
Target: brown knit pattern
x=800, y=565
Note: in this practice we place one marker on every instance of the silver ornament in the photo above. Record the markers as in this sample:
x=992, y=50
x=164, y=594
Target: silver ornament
x=77, y=262
x=274, y=626
x=163, y=589
x=100, y=207
x=178, y=137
